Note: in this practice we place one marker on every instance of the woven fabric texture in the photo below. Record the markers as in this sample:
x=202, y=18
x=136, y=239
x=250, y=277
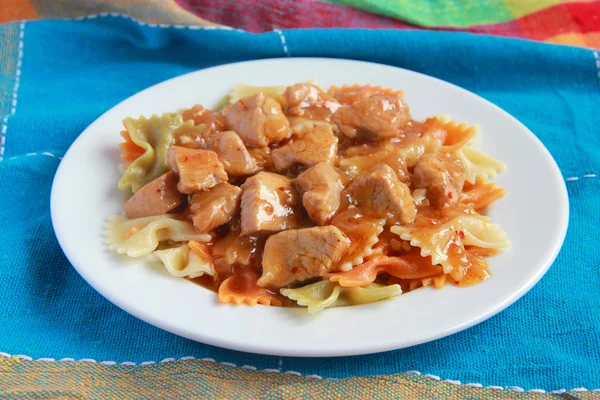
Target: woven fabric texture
x=556, y=21
x=61, y=75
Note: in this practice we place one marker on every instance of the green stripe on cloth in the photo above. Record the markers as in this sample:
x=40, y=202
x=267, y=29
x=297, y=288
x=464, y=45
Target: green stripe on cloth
x=192, y=379
x=451, y=13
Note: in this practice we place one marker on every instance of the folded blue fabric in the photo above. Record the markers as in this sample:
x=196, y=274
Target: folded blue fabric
x=73, y=71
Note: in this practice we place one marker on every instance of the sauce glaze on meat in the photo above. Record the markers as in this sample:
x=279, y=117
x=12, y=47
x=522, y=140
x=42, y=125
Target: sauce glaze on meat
x=308, y=185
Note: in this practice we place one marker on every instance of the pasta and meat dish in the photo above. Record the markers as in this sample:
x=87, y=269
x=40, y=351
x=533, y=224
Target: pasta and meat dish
x=299, y=196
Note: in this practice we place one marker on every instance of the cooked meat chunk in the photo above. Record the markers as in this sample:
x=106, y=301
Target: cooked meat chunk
x=213, y=121
x=262, y=157
x=375, y=118
x=307, y=100
x=269, y=204
x=299, y=125
x=155, y=198
x=258, y=120
x=320, y=187
x=352, y=94
x=379, y=192
x=207, y=122
x=442, y=174
x=233, y=153
x=299, y=254
x=215, y=207
x=198, y=169
x=313, y=146
x=234, y=250
x=394, y=157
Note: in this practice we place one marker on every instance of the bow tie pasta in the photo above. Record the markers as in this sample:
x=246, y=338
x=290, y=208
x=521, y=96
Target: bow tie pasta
x=304, y=197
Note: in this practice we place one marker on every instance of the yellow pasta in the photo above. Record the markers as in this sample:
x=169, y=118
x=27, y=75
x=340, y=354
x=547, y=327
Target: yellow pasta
x=182, y=262
x=141, y=236
x=155, y=136
x=241, y=90
x=325, y=294
x=465, y=229
x=479, y=166
x=361, y=158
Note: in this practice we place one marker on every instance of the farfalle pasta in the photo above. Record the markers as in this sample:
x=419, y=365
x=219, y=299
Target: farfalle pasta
x=155, y=136
x=480, y=195
x=182, y=262
x=241, y=288
x=305, y=197
x=363, y=232
x=350, y=94
x=242, y=90
x=471, y=229
x=325, y=294
x=453, y=135
x=479, y=166
x=359, y=159
x=141, y=236
x=409, y=266
x=131, y=151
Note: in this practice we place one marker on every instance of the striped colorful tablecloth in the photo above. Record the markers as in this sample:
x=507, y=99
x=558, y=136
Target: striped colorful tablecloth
x=556, y=21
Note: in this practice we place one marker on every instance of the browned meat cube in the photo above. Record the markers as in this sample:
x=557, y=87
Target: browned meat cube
x=198, y=169
x=315, y=145
x=258, y=120
x=354, y=93
x=269, y=204
x=379, y=192
x=195, y=137
x=375, y=118
x=215, y=207
x=213, y=121
x=392, y=156
x=233, y=153
x=262, y=157
x=308, y=101
x=321, y=187
x=155, y=198
x=299, y=254
x=443, y=175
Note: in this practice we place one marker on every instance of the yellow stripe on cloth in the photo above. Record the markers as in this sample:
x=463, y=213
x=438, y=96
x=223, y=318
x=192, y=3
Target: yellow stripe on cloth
x=519, y=8
x=589, y=40
x=193, y=379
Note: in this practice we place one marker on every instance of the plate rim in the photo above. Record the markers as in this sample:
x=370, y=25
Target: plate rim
x=374, y=347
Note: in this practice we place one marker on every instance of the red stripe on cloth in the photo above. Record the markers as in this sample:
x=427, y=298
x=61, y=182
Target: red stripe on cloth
x=509, y=29
x=266, y=15
x=586, y=15
x=549, y=22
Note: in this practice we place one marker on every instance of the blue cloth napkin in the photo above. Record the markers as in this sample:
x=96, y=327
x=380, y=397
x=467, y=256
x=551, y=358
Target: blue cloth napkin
x=70, y=72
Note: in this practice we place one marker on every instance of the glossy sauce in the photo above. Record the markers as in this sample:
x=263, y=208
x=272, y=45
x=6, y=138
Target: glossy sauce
x=239, y=257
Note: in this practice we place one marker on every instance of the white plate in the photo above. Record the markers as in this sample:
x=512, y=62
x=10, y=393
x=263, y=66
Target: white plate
x=534, y=213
